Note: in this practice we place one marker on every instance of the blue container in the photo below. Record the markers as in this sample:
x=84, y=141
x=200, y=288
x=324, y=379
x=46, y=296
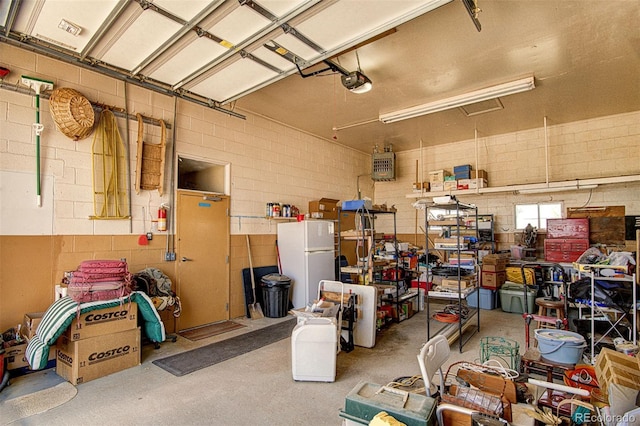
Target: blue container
x=488, y=299
x=463, y=168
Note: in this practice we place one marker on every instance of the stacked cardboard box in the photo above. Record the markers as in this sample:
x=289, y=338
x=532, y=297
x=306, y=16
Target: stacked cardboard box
x=99, y=343
x=15, y=354
x=324, y=208
x=494, y=272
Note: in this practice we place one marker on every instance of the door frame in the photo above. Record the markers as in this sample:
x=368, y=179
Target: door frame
x=205, y=195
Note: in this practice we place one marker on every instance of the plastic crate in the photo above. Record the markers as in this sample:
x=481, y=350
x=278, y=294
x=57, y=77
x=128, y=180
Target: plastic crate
x=488, y=299
x=512, y=298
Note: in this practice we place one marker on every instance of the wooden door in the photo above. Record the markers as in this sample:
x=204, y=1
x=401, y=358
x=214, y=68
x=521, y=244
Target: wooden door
x=203, y=258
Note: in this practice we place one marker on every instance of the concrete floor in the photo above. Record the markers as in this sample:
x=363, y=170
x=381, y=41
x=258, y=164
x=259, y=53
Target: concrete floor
x=256, y=388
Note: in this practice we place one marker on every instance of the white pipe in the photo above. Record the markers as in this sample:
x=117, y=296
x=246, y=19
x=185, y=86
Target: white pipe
x=546, y=151
x=559, y=387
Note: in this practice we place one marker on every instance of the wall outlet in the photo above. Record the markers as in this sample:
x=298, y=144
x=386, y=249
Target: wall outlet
x=170, y=256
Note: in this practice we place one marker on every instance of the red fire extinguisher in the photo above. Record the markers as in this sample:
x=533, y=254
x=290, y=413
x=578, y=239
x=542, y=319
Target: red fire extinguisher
x=162, y=219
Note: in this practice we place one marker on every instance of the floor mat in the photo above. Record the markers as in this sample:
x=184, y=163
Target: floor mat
x=206, y=356
x=203, y=332
x=38, y=402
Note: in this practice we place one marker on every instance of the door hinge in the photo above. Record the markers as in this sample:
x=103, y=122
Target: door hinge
x=226, y=306
x=227, y=259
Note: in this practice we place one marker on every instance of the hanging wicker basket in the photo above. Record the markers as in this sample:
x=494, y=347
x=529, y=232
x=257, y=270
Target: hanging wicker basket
x=72, y=113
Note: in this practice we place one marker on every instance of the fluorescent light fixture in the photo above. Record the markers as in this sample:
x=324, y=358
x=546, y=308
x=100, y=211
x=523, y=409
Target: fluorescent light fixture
x=556, y=189
x=487, y=93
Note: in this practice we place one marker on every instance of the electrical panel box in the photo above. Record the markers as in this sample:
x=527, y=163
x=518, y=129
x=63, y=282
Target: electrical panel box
x=384, y=166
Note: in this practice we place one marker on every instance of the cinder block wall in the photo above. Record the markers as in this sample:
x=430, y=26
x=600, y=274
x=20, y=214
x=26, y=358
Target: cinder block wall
x=269, y=162
x=597, y=148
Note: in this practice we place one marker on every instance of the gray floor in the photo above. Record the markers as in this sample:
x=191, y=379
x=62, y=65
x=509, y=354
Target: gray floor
x=256, y=388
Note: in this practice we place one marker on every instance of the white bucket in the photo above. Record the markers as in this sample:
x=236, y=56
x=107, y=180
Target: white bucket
x=561, y=346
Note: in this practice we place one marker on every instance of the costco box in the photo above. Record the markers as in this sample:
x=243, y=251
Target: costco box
x=493, y=280
x=326, y=206
x=103, y=321
x=88, y=359
x=568, y=228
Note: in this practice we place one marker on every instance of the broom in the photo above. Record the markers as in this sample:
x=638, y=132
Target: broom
x=255, y=310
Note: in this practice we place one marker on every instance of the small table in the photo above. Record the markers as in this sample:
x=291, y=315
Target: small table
x=532, y=361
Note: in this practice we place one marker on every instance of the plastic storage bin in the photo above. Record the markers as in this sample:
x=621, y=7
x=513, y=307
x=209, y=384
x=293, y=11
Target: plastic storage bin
x=561, y=346
x=314, y=348
x=512, y=298
x=368, y=399
x=488, y=299
x=275, y=295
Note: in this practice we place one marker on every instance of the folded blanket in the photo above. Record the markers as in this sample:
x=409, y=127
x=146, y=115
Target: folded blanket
x=61, y=313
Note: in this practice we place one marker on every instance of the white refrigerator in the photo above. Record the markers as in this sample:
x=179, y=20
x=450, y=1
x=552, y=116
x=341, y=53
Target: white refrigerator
x=307, y=256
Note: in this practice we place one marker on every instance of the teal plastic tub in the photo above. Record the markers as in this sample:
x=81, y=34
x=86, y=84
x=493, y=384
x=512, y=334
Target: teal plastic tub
x=512, y=298
x=368, y=399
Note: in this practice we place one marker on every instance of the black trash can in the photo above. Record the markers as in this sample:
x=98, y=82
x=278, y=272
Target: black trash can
x=275, y=295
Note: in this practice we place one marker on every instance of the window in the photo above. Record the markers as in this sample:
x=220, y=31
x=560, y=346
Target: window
x=537, y=214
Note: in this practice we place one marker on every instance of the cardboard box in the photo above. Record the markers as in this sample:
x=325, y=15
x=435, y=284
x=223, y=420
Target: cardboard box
x=103, y=321
x=471, y=183
x=495, y=259
x=494, y=268
x=30, y=324
x=453, y=283
x=438, y=175
x=15, y=356
x=419, y=186
x=88, y=359
x=450, y=184
x=479, y=174
x=327, y=206
x=493, y=280
x=436, y=186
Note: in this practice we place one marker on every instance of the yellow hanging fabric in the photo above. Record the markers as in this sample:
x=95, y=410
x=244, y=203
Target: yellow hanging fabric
x=110, y=191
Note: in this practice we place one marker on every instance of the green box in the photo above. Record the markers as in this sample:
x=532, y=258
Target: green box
x=366, y=400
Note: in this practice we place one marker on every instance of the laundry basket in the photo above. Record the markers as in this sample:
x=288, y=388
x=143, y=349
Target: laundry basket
x=72, y=112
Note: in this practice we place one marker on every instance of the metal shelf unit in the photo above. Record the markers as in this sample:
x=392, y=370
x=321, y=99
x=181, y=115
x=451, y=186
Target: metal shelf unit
x=591, y=271
x=454, y=207
x=365, y=237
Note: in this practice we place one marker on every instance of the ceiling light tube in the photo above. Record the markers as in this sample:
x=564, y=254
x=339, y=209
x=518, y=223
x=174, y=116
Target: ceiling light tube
x=555, y=189
x=485, y=94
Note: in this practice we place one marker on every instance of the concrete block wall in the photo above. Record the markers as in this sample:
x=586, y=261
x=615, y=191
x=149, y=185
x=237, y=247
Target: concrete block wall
x=595, y=148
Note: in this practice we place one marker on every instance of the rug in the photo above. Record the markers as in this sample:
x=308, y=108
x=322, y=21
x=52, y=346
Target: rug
x=37, y=402
x=203, y=332
x=214, y=353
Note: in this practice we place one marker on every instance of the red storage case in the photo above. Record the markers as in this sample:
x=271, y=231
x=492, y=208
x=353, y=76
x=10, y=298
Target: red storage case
x=568, y=228
x=564, y=249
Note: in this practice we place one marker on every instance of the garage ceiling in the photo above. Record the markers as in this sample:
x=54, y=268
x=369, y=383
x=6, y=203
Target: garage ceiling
x=285, y=59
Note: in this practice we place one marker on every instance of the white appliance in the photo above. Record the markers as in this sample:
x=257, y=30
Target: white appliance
x=314, y=347
x=307, y=255
x=364, y=329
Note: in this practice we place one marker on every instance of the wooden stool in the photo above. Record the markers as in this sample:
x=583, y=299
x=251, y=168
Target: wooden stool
x=545, y=306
